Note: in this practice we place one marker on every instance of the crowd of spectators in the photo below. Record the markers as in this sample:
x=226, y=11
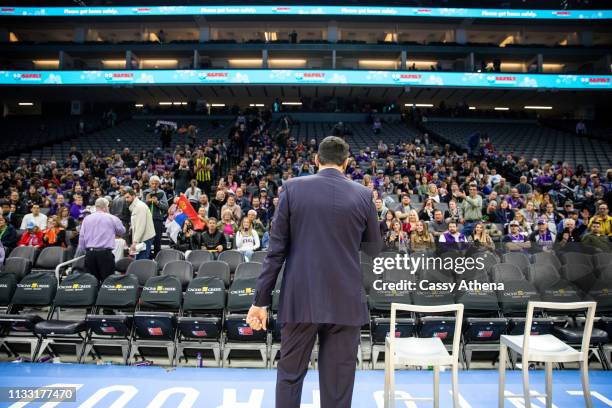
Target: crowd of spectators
x=427, y=195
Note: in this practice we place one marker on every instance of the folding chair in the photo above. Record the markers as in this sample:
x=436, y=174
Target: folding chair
x=413, y=351
x=76, y=291
x=201, y=324
x=547, y=349
x=155, y=319
x=33, y=294
x=119, y=294
x=238, y=334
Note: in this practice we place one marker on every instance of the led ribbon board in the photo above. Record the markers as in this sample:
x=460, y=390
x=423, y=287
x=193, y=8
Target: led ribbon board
x=306, y=10
x=305, y=77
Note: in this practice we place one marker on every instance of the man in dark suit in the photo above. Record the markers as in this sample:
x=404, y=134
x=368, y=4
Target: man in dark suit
x=319, y=225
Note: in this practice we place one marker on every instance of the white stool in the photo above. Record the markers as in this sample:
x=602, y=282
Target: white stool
x=422, y=352
x=547, y=349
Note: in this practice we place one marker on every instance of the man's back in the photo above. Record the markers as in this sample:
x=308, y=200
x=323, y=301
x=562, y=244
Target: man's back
x=320, y=222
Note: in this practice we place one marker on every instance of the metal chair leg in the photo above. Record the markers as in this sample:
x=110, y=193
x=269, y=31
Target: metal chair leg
x=548, y=366
x=386, y=393
x=503, y=352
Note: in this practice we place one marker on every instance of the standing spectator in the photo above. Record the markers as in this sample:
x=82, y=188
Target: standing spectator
x=32, y=237
x=472, y=209
x=143, y=230
x=193, y=193
x=210, y=210
x=39, y=219
x=97, y=239
x=203, y=172
x=157, y=202
x=182, y=177
x=8, y=235
x=232, y=207
x=247, y=239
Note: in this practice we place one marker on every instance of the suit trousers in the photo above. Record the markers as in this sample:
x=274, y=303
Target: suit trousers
x=338, y=346
x=100, y=263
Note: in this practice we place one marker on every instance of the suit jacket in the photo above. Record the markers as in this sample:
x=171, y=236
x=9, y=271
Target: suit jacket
x=318, y=228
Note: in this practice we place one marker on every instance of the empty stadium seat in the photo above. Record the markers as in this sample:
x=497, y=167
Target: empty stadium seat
x=27, y=252
x=547, y=258
x=182, y=270
x=198, y=257
x=143, y=269
x=76, y=291
x=248, y=270
x=517, y=258
x=119, y=294
x=123, y=264
x=259, y=256
x=201, y=324
x=168, y=255
x=19, y=267
x=215, y=269
x=49, y=259
x=232, y=257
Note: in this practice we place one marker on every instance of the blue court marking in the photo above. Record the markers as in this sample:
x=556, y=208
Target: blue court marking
x=252, y=388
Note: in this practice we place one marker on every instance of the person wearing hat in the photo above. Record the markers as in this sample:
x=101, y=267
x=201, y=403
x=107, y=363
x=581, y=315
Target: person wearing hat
x=157, y=201
x=97, y=239
x=515, y=240
x=32, y=237
x=542, y=236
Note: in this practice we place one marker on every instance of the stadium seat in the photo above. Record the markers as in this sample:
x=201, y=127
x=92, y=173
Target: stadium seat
x=143, y=269
x=573, y=258
x=168, y=255
x=8, y=283
x=547, y=258
x=49, y=259
x=602, y=259
x=248, y=270
x=155, y=320
x=505, y=272
x=19, y=267
x=27, y=252
x=579, y=274
x=76, y=291
x=34, y=293
x=517, y=258
x=123, y=264
x=232, y=257
x=198, y=257
x=119, y=294
x=259, y=256
x=182, y=270
x=201, y=324
x=238, y=334
x=215, y=269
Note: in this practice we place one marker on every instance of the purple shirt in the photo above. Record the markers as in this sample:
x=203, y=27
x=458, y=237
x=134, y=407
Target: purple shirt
x=99, y=230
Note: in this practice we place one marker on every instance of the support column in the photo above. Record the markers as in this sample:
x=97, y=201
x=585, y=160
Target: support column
x=204, y=33
x=131, y=60
x=79, y=35
x=65, y=60
x=460, y=36
x=469, y=62
x=586, y=38
x=403, y=59
x=196, y=59
x=333, y=34
x=540, y=62
x=264, y=59
x=333, y=59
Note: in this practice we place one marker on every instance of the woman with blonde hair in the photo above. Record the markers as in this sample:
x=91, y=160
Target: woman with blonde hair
x=396, y=239
x=421, y=239
x=432, y=192
x=247, y=239
x=227, y=225
x=411, y=221
x=481, y=238
x=524, y=226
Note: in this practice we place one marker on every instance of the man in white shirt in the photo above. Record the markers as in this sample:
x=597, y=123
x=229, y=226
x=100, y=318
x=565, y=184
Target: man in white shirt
x=39, y=219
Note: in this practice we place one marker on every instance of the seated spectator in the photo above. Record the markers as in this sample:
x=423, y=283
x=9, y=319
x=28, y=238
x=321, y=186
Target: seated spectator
x=490, y=214
x=35, y=216
x=77, y=206
x=381, y=210
x=515, y=240
x=409, y=223
x=439, y=225
x=481, y=238
x=212, y=239
x=452, y=236
x=404, y=208
x=427, y=210
x=8, y=235
x=55, y=234
x=524, y=226
x=595, y=238
x=577, y=227
x=396, y=239
x=67, y=222
x=542, y=237
x=233, y=208
x=56, y=207
x=421, y=239
x=210, y=210
x=604, y=219
x=433, y=193
x=502, y=188
x=530, y=213
x=187, y=239
x=386, y=224
x=515, y=199
x=32, y=237
x=227, y=225
x=247, y=239
x=504, y=213
x=257, y=224
x=551, y=217
x=523, y=187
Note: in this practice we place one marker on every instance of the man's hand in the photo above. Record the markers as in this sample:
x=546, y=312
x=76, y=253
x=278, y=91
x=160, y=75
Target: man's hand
x=257, y=318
